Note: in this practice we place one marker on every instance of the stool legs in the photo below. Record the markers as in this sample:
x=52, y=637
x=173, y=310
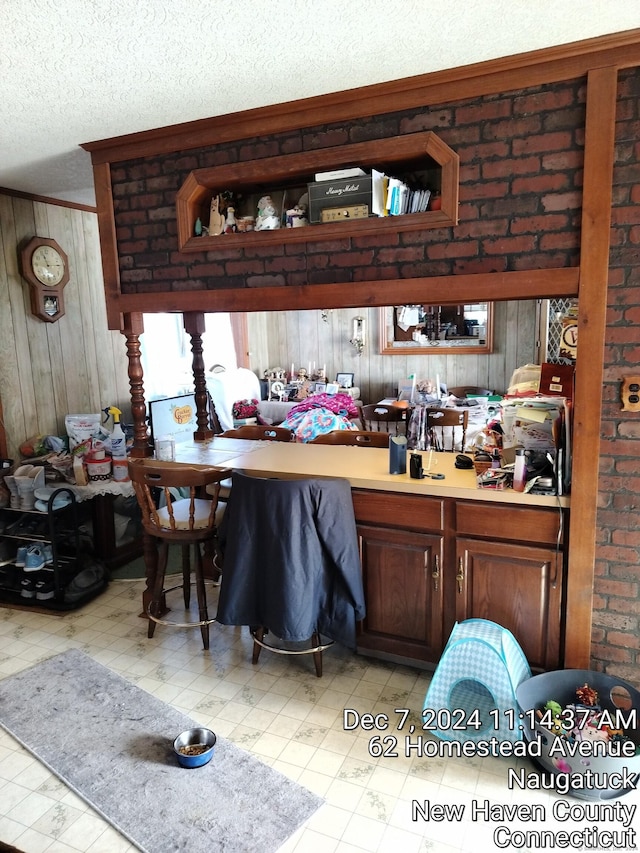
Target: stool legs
x=155, y=605
x=202, y=597
x=186, y=576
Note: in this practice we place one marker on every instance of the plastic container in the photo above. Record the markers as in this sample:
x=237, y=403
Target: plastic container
x=519, y=471
x=613, y=694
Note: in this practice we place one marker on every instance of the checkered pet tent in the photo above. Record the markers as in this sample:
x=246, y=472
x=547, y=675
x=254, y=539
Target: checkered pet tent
x=480, y=669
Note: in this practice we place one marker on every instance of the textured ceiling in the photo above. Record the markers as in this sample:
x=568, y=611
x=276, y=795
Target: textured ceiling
x=74, y=71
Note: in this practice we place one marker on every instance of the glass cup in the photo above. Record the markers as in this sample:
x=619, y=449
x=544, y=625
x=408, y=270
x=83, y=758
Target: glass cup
x=165, y=447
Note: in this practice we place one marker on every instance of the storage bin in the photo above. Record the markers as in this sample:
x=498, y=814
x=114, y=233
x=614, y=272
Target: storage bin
x=561, y=686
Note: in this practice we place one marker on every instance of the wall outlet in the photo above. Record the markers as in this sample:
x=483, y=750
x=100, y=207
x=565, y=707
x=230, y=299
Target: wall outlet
x=630, y=394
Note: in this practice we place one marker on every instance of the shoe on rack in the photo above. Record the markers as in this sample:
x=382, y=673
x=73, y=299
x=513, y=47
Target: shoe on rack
x=14, y=499
x=28, y=587
x=48, y=554
x=21, y=556
x=45, y=588
x=28, y=478
x=34, y=560
x=43, y=494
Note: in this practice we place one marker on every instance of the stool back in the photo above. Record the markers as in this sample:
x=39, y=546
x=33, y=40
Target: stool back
x=188, y=516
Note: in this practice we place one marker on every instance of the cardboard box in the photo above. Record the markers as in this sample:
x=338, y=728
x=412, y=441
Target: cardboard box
x=346, y=192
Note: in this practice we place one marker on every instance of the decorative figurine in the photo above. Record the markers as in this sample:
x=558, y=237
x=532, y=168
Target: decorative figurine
x=267, y=218
x=216, y=218
x=230, y=224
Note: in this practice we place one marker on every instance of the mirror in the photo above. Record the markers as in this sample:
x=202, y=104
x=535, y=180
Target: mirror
x=424, y=329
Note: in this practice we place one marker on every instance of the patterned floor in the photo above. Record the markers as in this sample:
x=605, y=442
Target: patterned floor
x=282, y=713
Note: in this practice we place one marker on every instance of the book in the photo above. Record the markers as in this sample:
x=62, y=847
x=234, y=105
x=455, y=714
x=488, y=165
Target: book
x=340, y=174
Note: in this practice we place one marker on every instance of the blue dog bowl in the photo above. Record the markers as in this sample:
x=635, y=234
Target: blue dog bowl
x=194, y=748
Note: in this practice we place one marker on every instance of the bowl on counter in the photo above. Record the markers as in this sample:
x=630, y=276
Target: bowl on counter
x=194, y=747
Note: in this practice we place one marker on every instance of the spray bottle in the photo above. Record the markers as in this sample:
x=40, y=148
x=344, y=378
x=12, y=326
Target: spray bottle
x=120, y=468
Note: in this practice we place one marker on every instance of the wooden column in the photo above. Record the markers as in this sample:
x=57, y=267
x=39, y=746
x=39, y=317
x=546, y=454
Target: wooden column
x=195, y=327
x=592, y=302
x=132, y=328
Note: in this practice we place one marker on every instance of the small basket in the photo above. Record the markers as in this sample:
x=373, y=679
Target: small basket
x=481, y=466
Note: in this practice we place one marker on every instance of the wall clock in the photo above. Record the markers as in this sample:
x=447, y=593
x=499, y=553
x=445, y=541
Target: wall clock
x=45, y=267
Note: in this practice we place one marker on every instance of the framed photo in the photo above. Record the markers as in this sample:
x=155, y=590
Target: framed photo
x=321, y=387
x=344, y=380
x=332, y=388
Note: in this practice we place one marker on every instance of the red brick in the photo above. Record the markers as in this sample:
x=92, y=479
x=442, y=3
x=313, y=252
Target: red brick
x=559, y=141
x=514, y=128
x=510, y=166
x=485, y=111
x=351, y=259
x=254, y=267
x=468, y=249
x=540, y=224
x=562, y=201
x=508, y=245
x=611, y=653
x=539, y=184
x=397, y=255
x=551, y=99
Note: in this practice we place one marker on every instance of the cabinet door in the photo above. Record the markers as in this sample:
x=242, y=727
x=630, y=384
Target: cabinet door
x=402, y=574
x=516, y=586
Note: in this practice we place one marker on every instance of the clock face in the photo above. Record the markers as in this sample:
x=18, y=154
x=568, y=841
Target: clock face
x=47, y=265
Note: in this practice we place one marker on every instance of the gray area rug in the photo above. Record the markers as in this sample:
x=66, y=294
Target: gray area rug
x=111, y=742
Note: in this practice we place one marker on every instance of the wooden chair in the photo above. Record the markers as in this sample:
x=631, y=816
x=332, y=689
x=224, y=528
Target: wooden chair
x=259, y=432
x=461, y=391
x=379, y=417
x=185, y=521
x=450, y=419
x=360, y=438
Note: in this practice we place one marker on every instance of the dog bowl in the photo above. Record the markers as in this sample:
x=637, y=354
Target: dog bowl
x=194, y=748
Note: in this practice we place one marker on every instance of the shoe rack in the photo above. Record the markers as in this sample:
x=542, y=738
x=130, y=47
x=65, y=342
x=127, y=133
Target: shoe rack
x=55, y=535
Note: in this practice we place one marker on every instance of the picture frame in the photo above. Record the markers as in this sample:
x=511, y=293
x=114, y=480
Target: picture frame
x=321, y=387
x=332, y=388
x=344, y=380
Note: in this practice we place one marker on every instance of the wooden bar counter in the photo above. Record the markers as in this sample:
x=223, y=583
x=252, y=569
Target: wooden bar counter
x=433, y=551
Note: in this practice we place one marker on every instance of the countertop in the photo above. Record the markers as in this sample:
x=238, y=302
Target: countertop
x=364, y=467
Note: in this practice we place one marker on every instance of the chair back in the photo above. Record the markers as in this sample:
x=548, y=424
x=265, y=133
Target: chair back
x=353, y=437
x=452, y=420
x=379, y=417
x=462, y=391
x=168, y=496
x=259, y=432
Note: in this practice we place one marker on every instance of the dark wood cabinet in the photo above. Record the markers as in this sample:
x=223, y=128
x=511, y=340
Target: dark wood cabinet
x=428, y=562
x=517, y=586
x=402, y=575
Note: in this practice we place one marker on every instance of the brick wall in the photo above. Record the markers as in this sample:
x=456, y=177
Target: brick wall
x=521, y=159
x=616, y=629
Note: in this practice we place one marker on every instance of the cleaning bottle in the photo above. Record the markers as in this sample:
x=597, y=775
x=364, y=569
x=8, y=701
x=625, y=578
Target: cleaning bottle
x=120, y=468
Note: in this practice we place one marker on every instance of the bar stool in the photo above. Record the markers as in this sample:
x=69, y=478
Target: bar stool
x=291, y=564
x=172, y=513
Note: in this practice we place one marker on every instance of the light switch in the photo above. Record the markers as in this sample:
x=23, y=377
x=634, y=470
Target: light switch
x=630, y=394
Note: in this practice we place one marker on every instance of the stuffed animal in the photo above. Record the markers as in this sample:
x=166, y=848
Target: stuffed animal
x=267, y=218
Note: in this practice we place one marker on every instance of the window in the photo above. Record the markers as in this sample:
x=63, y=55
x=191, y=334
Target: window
x=166, y=353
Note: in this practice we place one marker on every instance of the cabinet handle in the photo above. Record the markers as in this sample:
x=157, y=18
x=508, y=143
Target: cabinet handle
x=435, y=574
x=460, y=575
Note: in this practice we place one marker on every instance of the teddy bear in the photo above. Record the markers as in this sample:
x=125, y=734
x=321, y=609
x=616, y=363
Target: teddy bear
x=267, y=218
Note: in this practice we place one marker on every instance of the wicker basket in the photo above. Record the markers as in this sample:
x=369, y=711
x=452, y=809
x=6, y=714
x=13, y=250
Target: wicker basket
x=481, y=466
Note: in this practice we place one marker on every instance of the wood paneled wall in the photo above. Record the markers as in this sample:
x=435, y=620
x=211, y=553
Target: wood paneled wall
x=75, y=365
x=303, y=337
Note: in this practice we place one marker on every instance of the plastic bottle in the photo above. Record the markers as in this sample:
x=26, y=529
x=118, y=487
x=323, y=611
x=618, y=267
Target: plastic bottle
x=120, y=469
x=519, y=471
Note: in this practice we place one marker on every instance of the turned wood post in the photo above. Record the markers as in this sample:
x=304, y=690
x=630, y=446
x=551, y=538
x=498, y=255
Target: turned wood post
x=194, y=326
x=132, y=328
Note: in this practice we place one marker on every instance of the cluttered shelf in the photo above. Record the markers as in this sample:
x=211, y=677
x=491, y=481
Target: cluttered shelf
x=422, y=162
